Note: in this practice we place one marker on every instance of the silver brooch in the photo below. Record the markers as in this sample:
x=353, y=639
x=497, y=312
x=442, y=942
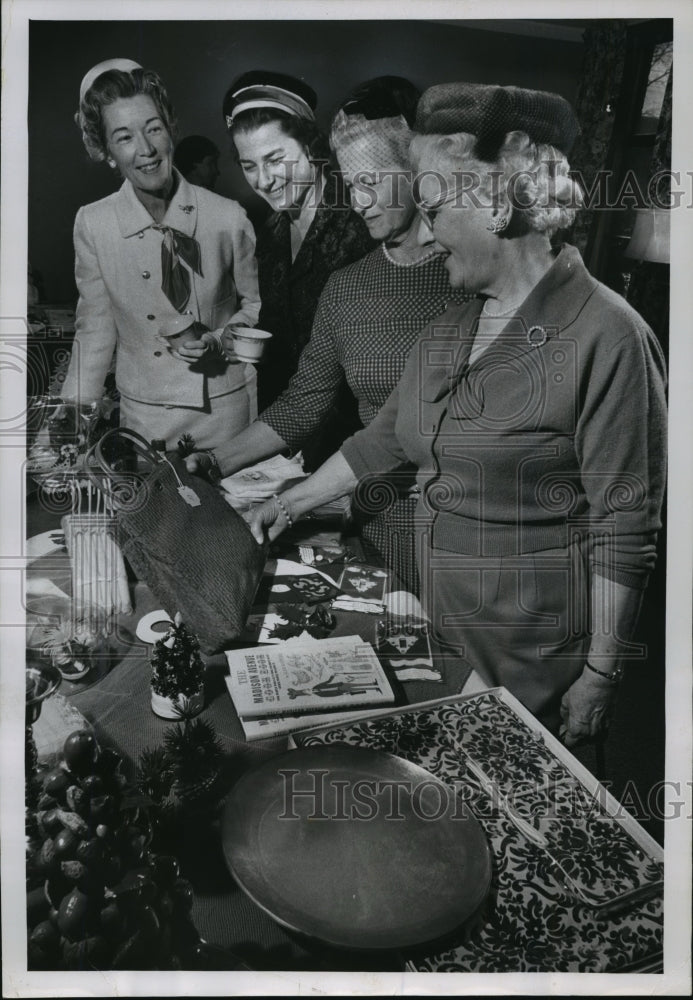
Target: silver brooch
x=537, y=336
x=187, y=208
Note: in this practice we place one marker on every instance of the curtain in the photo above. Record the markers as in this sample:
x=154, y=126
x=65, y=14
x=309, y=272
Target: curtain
x=595, y=106
x=648, y=291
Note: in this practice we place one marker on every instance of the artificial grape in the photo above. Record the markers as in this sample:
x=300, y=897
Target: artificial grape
x=56, y=785
x=165, y=868
x=89, y=851
x=92, y=785
x=37, y=906
x=81, y=751
x=72, y=915
x=46, y=936
x=183, y=895
x=66, y=844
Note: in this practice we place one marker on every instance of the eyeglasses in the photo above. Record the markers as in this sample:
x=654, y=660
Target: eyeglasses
x=429, y=213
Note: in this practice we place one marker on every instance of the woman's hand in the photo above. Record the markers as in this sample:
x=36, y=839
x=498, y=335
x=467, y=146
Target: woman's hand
x=586, y=708
x=227, y=345
x=203, y=464
x=193, y=350
x=268, y=520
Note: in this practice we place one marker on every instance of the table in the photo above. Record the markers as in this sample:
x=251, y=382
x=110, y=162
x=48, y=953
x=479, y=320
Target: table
x=115, y=700
x=117, y=705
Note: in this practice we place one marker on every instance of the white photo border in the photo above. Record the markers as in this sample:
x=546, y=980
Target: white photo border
x=675, y=980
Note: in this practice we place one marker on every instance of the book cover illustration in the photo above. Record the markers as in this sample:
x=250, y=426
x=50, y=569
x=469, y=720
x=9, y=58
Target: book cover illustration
x=306, y=677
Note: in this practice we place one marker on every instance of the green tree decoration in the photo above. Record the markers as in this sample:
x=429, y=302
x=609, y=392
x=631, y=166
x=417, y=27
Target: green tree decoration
x=177, y=667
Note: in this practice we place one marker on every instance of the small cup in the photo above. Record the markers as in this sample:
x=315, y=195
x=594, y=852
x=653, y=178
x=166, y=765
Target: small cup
x=249, y=343
x=180, y=330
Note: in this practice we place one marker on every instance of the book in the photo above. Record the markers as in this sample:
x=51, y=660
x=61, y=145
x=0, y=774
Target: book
x=280, y=725
x=304, y=677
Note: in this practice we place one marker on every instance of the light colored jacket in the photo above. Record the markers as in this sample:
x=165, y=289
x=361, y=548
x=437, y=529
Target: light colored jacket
x=121, y=303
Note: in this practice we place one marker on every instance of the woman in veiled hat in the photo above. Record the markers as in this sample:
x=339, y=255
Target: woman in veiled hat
x=535, y=415
x=285, y=158
x=155, y=257
x=369, y=314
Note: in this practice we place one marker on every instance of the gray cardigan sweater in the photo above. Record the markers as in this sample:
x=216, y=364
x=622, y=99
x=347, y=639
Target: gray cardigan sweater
x=557, y=429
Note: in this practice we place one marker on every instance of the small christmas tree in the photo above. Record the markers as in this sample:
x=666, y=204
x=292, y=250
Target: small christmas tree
x=177, y=667
x=194, y=755
x=181, y=780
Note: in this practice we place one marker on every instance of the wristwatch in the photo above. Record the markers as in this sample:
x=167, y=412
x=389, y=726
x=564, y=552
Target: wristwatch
x=615, y=676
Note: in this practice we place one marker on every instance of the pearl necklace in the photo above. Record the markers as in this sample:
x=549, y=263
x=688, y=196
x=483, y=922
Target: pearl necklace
x=504, y=313
x=409, y=263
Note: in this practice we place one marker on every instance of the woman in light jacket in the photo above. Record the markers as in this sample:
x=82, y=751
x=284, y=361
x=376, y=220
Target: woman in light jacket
x=149, y=258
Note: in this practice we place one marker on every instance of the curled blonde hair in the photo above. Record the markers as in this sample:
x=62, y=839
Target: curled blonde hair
x=534, y=177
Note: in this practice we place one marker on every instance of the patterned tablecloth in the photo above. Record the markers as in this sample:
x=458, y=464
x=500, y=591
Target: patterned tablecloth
x=534, y=920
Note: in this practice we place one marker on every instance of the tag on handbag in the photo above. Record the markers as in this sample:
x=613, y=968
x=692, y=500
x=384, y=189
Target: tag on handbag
x=190, y=496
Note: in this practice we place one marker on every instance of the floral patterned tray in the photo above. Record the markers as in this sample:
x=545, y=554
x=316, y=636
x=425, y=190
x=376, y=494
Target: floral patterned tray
x=577, y=883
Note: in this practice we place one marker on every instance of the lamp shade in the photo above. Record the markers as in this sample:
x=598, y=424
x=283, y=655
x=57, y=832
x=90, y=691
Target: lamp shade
x=650, y=237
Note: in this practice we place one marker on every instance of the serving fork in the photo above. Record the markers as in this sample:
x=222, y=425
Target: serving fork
x=535, y=836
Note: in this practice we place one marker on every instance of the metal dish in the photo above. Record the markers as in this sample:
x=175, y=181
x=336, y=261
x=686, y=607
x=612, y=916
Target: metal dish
x=355, y=847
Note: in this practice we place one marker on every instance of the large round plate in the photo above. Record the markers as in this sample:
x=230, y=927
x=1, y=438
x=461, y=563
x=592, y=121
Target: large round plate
x=377, y=854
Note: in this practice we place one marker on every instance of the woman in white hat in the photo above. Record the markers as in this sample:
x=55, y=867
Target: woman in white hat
x=312, y=231
x=155, y=257
x=535, y=416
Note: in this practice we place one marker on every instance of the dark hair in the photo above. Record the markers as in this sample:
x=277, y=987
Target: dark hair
x=306, y=132
x=192, y=150
x=110, y=87
x=383, y=97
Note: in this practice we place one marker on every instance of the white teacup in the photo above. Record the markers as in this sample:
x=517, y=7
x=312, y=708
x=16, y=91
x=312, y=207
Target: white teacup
x=249, y=343
x=179, y=330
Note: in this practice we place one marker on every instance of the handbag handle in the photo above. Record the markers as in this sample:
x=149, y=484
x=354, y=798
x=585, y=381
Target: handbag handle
x=139, y=444
x=120, y=488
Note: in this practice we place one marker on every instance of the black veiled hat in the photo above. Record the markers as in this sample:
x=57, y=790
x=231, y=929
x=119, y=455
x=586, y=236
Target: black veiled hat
x=490, y=112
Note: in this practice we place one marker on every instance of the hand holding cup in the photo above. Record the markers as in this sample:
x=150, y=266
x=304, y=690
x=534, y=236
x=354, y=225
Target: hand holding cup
x=243, y=343
x=185, y=337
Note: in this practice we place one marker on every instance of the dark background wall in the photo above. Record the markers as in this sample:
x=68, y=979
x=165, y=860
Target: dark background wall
x=199, y=59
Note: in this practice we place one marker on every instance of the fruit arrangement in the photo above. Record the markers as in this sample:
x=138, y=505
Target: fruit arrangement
x=98, y=897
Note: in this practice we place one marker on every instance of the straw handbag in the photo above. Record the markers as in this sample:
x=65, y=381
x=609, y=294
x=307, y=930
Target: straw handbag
x=180, y=536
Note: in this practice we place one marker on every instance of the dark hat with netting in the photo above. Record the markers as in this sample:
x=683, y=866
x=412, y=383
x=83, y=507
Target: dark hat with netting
x=373, y=124
x=490, y=112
